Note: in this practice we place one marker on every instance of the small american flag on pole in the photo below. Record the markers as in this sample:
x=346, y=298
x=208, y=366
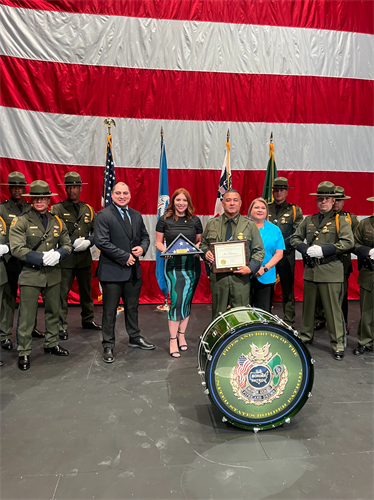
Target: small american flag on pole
x=109, y=180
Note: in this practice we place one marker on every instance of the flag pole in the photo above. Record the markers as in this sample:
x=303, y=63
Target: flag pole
x=229, y=183
x=271, y=145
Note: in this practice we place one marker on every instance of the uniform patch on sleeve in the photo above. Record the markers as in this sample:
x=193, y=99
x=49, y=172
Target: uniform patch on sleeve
x=14, y=221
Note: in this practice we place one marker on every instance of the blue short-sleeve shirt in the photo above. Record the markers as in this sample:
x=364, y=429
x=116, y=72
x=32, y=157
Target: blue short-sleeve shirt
x=273, y=240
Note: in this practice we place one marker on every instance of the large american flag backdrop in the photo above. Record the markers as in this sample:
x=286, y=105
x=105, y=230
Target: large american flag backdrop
x=301, y=69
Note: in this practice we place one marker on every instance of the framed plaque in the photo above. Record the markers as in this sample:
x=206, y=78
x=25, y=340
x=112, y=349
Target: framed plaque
x=229, y=255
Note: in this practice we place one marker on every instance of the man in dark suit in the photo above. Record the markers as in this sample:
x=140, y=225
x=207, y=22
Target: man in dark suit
x=121, y=236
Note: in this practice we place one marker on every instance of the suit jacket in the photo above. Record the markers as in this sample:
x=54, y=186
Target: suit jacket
x=115, y=244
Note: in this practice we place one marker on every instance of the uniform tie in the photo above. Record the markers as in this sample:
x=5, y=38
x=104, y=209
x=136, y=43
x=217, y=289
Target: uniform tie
x=127, y=221
x=229, y=229
x=76, y=208
x=277, y=209
x=320, y=219
x=44, y=221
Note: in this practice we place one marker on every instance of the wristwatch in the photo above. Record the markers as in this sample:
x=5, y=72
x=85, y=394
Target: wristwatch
x=265, y=269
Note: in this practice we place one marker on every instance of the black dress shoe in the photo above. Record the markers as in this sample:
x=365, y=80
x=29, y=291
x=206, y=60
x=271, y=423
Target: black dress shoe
x=338, y=355
x=108, y=355
x=57, y=351
x=24, y=362
x=63, y=334
x=6, y=344
x=91, y=326
x=37, y=335
x=319, y=325
x=361, y=349
x=142, y=343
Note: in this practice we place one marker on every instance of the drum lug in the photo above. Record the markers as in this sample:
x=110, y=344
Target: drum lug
x=224, y=419
x=200, y=372
x=310, y=394
x=256, y=429
x=312, y=361
x=209, y=357
x=203, y=384
x=206, y=391
x=288, y=420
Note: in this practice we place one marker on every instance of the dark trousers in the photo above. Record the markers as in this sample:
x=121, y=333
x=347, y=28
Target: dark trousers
x=83, y=275
x=260, y=294
x=129, y=292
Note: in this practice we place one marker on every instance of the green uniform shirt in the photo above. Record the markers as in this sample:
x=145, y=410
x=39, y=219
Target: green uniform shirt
x=4, y=240
x=347, y=259
x=9, y=210
x=242, y=229
x=364, y=242
x=80, y=225
x=25, y=233
x=339, y=241
x=288, y=218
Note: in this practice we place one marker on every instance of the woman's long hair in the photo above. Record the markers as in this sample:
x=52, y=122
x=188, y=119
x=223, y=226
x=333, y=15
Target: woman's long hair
x=262, y=201
x=170, y=211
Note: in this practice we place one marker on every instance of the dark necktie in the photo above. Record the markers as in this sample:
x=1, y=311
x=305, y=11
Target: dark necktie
x=76, y=208
x=44, y=221
x=277, y=209
x=229, y=230
x=320, y=218
x=127, y=222
x=20, y=207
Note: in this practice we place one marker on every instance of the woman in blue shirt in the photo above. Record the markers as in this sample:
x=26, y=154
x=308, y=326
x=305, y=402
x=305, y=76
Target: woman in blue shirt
x=262, y=283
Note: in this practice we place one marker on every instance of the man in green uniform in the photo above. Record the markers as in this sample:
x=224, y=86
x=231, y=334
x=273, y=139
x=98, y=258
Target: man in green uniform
x=364, y=249
x=9, y=209
x=287, y=217
x=328, y=236
x=79, y=219
x=4, y=285
x=320, y=319
x=39, y=240
x=232, y=287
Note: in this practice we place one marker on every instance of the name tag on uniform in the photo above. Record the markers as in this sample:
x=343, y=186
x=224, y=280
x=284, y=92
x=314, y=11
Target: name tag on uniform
x=12, y=215
x=66, y=214
x=33, y=227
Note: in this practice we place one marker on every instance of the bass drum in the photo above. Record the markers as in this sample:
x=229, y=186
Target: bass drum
x=255, y=369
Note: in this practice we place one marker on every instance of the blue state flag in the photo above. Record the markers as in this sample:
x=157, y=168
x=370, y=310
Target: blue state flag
x=162, y=204
x=109, y=180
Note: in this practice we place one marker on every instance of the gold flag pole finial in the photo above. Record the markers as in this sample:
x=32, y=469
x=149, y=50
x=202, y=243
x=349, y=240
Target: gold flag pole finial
x=228, y=135
x=162, y=134
x=109, y=122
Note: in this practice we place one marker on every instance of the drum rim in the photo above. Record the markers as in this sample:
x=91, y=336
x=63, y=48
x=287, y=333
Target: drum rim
x=308, y=384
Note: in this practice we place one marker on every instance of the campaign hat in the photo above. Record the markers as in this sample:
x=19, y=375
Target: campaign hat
x=39, y=189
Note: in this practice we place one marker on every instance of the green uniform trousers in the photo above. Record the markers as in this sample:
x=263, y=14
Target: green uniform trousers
x=28, y=306
x=320, y=313
x=331, y=296
x=228, y=289
x=365, y=332
x=6, y=311
x=83, y=276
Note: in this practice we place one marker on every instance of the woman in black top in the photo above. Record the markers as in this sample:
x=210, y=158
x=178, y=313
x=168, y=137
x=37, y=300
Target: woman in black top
x=182, y=272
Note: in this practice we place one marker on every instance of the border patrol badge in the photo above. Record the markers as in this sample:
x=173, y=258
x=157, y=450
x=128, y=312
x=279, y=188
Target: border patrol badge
x=14, y=221
x=260, y=377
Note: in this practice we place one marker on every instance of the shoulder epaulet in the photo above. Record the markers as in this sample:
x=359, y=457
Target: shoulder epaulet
x=3, y=222
x=91, y=211
x=59, y=221
x=4, y=202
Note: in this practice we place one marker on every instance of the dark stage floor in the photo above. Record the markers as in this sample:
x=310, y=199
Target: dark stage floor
x=142, y=428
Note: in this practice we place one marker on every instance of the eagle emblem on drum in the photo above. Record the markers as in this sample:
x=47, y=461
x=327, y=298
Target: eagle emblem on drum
x=259, y=377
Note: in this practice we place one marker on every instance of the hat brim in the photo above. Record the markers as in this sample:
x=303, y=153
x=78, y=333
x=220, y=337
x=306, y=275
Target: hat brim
x=40, y=195
x=370, y=199
x=282, y=187
x=337, y=198
x=73, y=184
x=13, y=184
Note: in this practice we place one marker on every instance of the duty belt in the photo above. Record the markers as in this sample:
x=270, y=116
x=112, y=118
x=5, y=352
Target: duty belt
x=319, y=261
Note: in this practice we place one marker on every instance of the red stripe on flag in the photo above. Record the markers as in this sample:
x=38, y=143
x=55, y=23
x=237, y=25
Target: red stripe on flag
x=202, y=185
x=339, y=15
x=184, y=95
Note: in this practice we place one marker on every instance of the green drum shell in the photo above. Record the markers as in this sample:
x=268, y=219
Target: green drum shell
x=238, y=328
